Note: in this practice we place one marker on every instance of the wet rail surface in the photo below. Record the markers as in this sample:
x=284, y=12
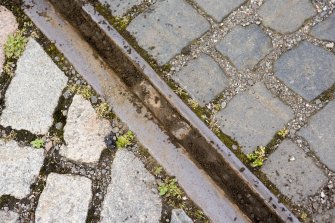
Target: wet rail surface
x=158, y=103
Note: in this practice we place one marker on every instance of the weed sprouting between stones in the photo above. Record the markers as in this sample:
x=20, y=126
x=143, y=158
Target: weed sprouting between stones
x=37, y=143
x=15, y=45
x=104, y=111
x=170, y=189
x=84, y=90
x=125, y=140
x=257, y=158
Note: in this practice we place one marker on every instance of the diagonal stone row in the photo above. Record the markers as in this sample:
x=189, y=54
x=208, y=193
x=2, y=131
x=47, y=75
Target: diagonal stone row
x=289, y=42
x=30, y=101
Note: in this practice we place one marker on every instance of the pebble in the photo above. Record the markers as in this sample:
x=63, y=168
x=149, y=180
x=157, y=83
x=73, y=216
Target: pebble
x=94, y=99
x=59, y=125
x=330, y=45
x=292, y=158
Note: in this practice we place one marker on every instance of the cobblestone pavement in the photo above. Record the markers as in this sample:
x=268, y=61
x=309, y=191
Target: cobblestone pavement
x=262, y=73
x=64, y=156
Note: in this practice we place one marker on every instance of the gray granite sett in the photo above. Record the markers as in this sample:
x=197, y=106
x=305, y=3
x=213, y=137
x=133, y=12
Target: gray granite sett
x=325, y=30
x=253, y=117
x=202, y=78
x=65, y=198
x=132, y=195
x=120, y=7
x=179, y=216
x=326, y=217
x=245, y=46
x=286, y=15
x=219, y=8
x=33, y=94
x=296, y=179
x=19, y=167
x=320, y=133
x=9, y=217
x=307, y=69
x=84, y=132
x=166, y=28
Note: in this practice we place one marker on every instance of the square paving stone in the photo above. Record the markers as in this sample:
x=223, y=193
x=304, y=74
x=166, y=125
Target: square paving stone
x=253, y=117
x=33, y=94
x=120, y=7
x=325, y=30
x=65, y=198
x=320, y=133
x=219, y=8
x=286, y=15
x=166, y=28
x=307, y=69
x=245, y=46
x=19, y=167
x=202, y=78
x=297, y=179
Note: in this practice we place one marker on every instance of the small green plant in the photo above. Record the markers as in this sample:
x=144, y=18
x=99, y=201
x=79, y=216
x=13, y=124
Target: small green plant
x=103, y=110
x=15, y=45
x=9, y=68
x=37, y=143
x=217, y=107
x=125, y=140
x=257, y=157
x=283, y=132
x=84, y=90
x=158, y=170
x=170, y=189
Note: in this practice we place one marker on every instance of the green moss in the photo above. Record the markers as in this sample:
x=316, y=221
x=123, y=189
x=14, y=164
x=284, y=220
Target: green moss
x=84, y=90
x=104, y=111
x=15, y=45
x=283, y=132
x=37, y=143
x=125, y=140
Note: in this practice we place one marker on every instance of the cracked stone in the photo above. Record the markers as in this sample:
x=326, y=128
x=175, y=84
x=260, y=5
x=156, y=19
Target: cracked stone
x=219, y=8
x=33, y=95
x=120, y=7
x=326, y=29
x=286, y=15
x=19, y=167
x=129, y=180
x=84, y=132
x=298, y=179
x=166, y=28
x=65, y=198
x=245, y=46
x=320, y=132
x=8, y=26
x=202, y=78
x=307, y=69
x=253, y=117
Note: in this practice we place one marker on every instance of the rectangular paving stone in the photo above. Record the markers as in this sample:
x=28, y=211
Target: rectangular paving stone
x=84, y=132
x=166, y=28
x=326, y=29
x=219, y=9
x=320, y=133
x=33, y=93
x=307, y=69
x=19, y=167
x=253, y=117
x=65, y=198
x=202, y=78
x=120, y=7
x=245, y=46
x=286, y=15
x=294, y=174
x=132, y=195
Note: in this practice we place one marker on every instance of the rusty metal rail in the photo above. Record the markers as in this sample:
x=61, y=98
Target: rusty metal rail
x=128, y=81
